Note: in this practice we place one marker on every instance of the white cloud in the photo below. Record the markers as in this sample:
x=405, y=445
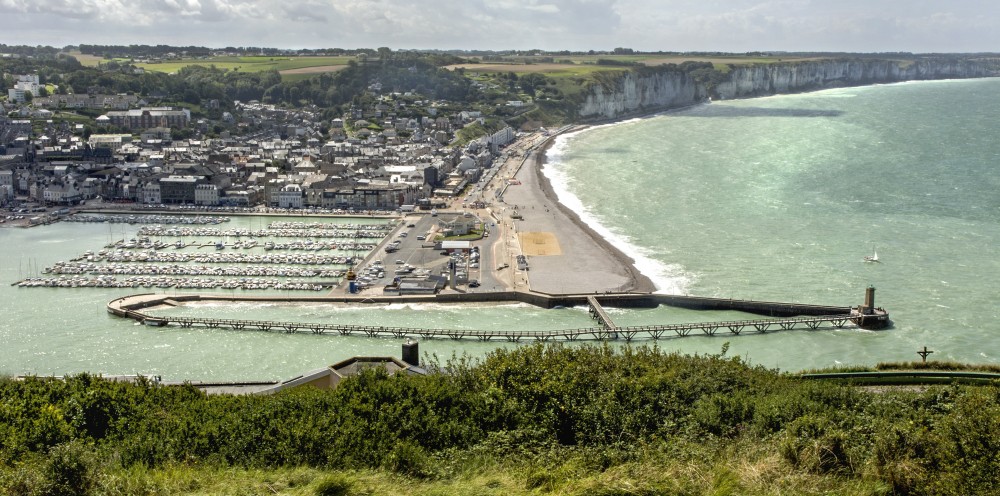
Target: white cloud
x=727, y=25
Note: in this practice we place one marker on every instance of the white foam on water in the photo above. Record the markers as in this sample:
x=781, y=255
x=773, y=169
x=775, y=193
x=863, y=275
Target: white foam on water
x=668, y=278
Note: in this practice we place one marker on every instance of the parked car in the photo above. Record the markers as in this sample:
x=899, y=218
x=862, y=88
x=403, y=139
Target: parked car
x=473, y=283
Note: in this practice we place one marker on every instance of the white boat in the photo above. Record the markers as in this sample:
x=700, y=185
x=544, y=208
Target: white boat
x=873, y=257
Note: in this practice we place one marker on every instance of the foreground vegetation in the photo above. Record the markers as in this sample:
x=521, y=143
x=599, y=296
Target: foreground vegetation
x=538, y=419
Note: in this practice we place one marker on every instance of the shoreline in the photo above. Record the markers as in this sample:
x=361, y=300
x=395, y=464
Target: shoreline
x=639, y=282
x=564, y=254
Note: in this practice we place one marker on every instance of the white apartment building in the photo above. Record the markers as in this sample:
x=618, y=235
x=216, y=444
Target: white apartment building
x=206, y=194
x=290, y=196
x=24, y=84
x=151, y=193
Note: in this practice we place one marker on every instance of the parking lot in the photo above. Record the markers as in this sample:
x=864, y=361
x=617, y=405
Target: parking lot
x=422, y=254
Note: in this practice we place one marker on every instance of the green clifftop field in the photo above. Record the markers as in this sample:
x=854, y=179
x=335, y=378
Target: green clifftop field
x=532, y=420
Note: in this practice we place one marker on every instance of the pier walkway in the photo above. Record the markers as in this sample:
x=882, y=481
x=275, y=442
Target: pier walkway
x=734, y=327
x=597, y=312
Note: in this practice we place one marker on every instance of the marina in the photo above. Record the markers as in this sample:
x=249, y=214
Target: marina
x=272, y=262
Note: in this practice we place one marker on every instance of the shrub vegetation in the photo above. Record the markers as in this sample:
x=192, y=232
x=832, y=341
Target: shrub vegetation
x=536, y=419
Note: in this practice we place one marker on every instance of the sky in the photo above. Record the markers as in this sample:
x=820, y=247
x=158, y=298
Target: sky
x=918, y=26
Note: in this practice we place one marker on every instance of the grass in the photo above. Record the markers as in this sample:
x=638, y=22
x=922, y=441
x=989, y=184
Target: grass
x=904, y=366
x=585, y=64
x=746, y=469
x=291, y=78
x=72, y=117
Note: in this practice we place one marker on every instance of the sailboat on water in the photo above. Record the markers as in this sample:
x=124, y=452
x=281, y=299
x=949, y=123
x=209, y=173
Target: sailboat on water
x=873, y=257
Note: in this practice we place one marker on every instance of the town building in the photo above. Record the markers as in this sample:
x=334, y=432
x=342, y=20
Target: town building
x=149, y=117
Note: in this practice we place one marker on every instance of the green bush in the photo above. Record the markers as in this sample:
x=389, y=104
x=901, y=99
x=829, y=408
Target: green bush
x=70, y=470
x=562, y=411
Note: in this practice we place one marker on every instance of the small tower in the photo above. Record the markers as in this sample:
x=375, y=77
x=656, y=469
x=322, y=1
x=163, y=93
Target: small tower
x=869, y=306
x=411, y=352
x=867, y=315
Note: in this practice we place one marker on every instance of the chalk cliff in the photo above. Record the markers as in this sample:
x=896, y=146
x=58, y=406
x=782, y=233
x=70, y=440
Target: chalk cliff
x=651, y=89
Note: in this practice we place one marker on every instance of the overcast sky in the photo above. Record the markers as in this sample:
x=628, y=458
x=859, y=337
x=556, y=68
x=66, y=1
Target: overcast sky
x=670, y=25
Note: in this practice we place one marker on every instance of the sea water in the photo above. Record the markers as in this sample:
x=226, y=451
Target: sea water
x=776, y=198
x=781, y=198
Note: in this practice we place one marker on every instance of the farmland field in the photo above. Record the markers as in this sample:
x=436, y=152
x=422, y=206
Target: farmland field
x=284, y=65
x=585, y=64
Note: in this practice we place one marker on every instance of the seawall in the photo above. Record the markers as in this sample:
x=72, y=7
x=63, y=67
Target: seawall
x=123, y=306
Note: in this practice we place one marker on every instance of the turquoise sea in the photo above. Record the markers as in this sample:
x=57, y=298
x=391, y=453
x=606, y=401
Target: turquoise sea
x=776, y=198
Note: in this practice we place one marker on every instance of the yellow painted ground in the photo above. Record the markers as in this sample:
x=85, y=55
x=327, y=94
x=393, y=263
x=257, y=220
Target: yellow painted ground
x=539, y=244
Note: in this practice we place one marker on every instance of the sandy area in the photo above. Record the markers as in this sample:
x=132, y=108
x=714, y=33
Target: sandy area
x=539, y=244
x=576, y=259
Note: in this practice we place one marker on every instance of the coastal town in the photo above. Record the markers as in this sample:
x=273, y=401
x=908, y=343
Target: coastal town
x=290, y=159
x=390, y=159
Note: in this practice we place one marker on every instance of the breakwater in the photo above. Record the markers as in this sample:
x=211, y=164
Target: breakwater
x=623, y=300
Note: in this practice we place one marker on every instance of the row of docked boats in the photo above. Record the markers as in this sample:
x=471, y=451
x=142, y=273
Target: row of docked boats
x=147, y=219
x=326, y=225
x=227, y=257
x=189, y=270
x=214, y=232
x=144, y=243
x=109, y=281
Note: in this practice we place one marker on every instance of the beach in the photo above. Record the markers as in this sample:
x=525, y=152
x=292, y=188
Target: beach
x=564, y=254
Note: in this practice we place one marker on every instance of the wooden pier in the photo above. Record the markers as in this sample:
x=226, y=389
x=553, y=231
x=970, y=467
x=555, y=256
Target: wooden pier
x=604, y=333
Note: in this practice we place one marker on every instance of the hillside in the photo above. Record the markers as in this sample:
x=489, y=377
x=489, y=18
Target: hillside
x=536, y=419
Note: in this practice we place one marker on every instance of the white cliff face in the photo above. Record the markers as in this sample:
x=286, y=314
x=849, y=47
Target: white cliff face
x=672, y=88
x=633, y=93
x=773, y=79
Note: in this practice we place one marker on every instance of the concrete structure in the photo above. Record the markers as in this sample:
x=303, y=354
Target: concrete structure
x=206, y=194
x=290, y=196
x=151, y=193
x=149, y=117
x=112, y=141
x=25, y=84
x=456, y=246
x=178, y=189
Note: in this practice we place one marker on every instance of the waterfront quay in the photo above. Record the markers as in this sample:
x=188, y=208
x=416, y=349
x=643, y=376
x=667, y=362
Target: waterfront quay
x=785, y=316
